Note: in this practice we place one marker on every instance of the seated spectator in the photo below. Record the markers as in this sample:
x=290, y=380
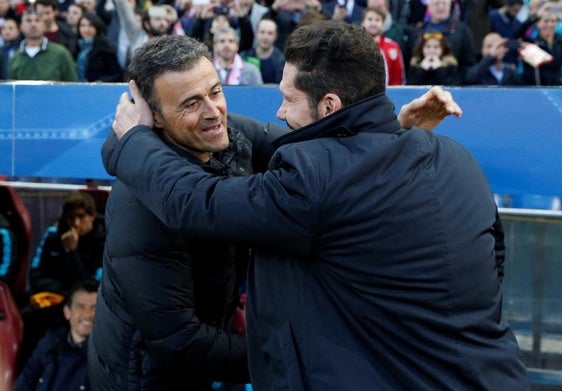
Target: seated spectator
x=504, y=22
x=232, y=69
x=491, y=69
x=433, y=62
x=12, y=38
x=38, y=58
x=373, y=21
x=549, y=73
x=60, y=360
x=442, y=19
x=70, y=251
x=97, y=58
x=270, y=58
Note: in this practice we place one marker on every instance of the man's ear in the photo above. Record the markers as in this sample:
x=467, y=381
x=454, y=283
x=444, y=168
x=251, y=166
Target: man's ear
x=158, y=119
x=329, y=104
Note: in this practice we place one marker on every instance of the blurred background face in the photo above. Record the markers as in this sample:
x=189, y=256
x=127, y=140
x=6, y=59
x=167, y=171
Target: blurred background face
x=80, y=220
x=73, y=15
x=86, y=29
x=490, y=41
x=48, y=14
x=4, y=6
x=373, y=23
x=432, y=48
x=439, y=10
x=547, y=24
x=266, y=33
x=80, y=314
x=33, y=26
x=226, y=46
x=89, y=4
x=10, y=30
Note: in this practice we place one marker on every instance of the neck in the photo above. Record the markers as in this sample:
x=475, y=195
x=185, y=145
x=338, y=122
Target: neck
x=224, y=63
x=264, y=52
x=33, y=42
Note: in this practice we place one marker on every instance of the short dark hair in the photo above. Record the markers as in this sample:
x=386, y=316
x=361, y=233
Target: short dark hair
x=96, y=21
x=160, y=55
x=89, y=286
x=48, y=3
x=78, y=199
x=335, y=57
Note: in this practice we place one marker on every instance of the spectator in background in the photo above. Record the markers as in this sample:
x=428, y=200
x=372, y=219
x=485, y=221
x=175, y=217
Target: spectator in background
x=391, y=28
x=59, y=362
x=349, y=11
x=491, y=69
x=217, y=14
x=476, y=14
x=504, y=22
x=549, y=74
x=433, y=62
x=12, y=37
x=457, y=33
x=74, y=13
x=6, y=12
x=232, y=69
x=38, y=58
x=97, y=58
x=288, y=13
x=270, y=58
x=90, y=5
x=373, y=21
x=72, y=249
x=186, y=17
x=255, y=12
x=116, y=33
x=156, y=21
x=57, y=30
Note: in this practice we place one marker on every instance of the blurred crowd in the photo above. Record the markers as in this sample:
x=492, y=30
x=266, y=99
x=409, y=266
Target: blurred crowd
x=424, y=42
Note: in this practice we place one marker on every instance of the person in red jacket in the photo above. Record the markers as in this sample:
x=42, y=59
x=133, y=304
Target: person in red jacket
x=373, y=21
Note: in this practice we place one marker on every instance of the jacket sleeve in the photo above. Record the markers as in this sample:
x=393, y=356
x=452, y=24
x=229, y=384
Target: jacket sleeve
x=186, y=198
x=46, y=255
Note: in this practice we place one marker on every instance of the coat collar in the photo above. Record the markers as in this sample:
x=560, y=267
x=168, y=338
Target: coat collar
x=375, y=113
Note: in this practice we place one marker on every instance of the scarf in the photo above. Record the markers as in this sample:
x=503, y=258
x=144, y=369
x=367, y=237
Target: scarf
x=232, y=76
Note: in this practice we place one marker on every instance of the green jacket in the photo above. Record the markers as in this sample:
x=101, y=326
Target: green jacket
x=53, y=62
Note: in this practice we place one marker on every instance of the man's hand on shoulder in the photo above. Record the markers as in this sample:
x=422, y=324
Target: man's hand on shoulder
x=131, y=112
x=429, y=110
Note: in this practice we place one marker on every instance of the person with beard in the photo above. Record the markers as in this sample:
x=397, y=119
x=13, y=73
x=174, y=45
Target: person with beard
x=156, y=21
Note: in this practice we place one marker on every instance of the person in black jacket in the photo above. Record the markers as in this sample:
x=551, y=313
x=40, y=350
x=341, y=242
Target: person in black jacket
x=60, y=360
x=376, y=263
x=70, y=251
x=166, y=299
x=97, y=58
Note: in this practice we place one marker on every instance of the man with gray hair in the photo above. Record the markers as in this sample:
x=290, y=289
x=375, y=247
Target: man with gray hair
x=232, y=69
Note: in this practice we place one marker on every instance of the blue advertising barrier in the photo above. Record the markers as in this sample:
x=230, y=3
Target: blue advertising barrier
x=56, y=130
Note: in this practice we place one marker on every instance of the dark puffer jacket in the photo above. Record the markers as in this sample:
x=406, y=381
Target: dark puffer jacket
x=375, y=259
x=166, y=300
